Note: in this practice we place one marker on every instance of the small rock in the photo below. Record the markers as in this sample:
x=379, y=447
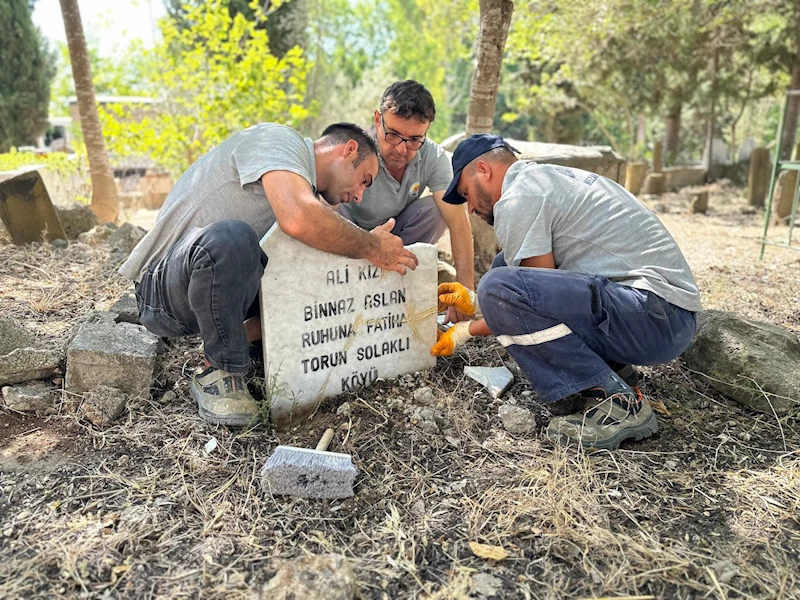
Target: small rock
x=424, y=396
x=103, y=405
x=126, y=237
x=485, y=585
x=453, y=441
x=59, y=244
x=168, y=396
x=76, y=219
x=344, y=410
x=36, y=396
x=516, y=419
x=725, y=570
x=495, y=379
x=323, y=577
x=126, y=309
x=210, y=446
x=527, y=393
x=418, y=509
x=21, y=516
x=97, y=234
x=429, y=427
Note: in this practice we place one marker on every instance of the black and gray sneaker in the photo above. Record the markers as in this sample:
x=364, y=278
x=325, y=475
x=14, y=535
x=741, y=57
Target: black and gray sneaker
x=614, y=412
x=223, y=398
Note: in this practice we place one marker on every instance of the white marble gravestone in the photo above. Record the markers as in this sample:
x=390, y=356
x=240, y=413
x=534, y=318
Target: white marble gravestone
x=332, y=324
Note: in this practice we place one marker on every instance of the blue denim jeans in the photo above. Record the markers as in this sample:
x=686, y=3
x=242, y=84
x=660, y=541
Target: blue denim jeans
x=206, y=284
x=564, y=329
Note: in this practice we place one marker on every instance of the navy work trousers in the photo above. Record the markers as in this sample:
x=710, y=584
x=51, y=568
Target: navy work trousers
x=206, y=284
x=565, y=329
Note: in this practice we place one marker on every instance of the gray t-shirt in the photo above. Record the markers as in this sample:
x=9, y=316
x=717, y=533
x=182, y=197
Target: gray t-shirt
x=593, y=226
x=386, y=197
x=225, y=184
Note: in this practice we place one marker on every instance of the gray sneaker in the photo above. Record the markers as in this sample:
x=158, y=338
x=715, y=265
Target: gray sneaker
x=223, y=399
x=614, y=412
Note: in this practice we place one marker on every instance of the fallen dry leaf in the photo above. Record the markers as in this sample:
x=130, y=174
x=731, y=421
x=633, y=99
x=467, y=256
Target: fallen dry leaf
x=488, y=552
x=658, y=406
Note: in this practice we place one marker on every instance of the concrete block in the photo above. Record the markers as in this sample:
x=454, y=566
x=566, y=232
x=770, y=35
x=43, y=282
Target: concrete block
x=699, y=203
x=36, y=396
x=120, y=355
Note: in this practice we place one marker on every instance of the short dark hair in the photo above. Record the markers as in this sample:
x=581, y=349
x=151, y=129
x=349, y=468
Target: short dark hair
x=409, y=99
x=341, y=133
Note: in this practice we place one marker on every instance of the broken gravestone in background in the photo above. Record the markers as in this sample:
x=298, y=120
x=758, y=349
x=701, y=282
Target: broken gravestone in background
x=332, y=324
x=26, y=209
x=755, y=364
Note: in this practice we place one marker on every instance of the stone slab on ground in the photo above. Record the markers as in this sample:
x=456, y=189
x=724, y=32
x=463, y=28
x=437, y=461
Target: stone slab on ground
x=494, y=379
x=103, y=405
x=34, y=396
x=315, y=577
x=684, y=176
x=119, y=355
x=756, y=364
x=13, y=336
x=332, y=324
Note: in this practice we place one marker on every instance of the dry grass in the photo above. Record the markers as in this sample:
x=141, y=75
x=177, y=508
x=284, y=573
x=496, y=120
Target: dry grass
x=708, y=508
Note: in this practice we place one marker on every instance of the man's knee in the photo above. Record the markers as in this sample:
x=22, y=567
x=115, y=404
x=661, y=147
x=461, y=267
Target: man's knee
x=232, y=239
x=494, y=293
x=499, y=260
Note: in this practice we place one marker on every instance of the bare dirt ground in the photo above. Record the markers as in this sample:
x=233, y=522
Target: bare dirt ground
x=707, y=508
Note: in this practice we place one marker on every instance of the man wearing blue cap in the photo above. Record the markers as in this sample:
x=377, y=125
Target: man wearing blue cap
x=589, y=282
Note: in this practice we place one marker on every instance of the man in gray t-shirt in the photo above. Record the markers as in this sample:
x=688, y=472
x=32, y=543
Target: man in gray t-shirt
x=197, y=271
x=589, y=282
x=410, y=163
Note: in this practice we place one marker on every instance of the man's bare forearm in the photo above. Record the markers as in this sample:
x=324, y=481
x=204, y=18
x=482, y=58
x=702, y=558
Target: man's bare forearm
x=329, y=231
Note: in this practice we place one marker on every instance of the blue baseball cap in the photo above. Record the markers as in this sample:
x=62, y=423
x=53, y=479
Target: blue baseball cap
x=467, y=151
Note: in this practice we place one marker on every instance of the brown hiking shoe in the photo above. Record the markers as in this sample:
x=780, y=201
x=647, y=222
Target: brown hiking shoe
x=614, y=413
x=223, y=399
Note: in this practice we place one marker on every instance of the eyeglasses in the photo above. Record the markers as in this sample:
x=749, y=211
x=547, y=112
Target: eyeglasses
x=395, y=139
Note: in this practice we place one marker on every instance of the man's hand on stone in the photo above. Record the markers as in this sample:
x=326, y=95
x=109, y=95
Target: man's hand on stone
x=456, y=296
x=451, y=339
x=390, y=253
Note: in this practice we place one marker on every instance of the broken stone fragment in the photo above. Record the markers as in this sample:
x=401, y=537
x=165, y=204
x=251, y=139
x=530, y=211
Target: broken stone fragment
x=516, y=419
x=323, y=577
x=103, y=405
x=495, y=379
x=35, y=396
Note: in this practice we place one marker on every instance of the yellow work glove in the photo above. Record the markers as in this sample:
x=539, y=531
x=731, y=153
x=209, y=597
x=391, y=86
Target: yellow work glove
x=459, y=297
x=451, y=339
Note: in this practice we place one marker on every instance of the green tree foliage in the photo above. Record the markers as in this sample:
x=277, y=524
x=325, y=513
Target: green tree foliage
x=26, y=70
x=212, y=77
x=122, y=75
x=285, y=24
x=605, y=64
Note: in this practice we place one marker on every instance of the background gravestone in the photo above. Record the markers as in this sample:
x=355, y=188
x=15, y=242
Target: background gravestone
x=26, y=210
x=332, y=324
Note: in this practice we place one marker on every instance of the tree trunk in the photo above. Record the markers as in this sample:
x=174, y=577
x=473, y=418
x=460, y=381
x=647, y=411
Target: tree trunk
x=708, y=158
x=105, y=202
x=787, y=143
x=495, y=21
x=672, y=135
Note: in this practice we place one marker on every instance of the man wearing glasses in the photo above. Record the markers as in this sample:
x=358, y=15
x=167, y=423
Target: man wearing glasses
x=410, y=163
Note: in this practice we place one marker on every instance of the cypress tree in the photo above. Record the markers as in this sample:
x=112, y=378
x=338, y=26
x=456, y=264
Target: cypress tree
x=27, y=69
